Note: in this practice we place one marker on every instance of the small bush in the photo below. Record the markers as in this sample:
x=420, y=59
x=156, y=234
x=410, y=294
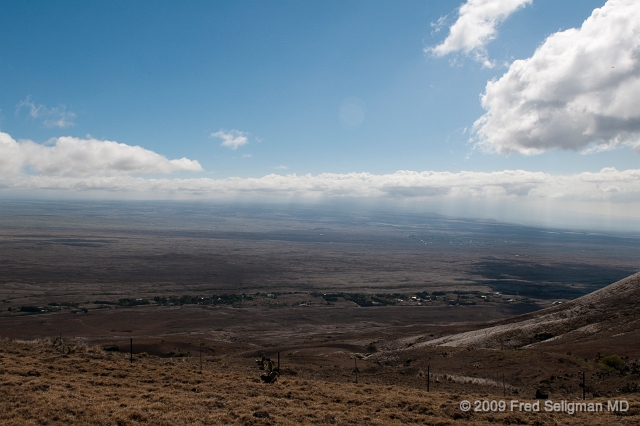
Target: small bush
x=613, y=362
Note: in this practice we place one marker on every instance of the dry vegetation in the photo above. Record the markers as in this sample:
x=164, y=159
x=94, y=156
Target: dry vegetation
x=41, y=387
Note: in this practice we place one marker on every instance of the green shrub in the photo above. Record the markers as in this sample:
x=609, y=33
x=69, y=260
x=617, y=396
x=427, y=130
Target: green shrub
x=613, y=362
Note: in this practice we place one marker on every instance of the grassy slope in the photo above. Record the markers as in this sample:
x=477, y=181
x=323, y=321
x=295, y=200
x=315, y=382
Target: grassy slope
x=38, y=386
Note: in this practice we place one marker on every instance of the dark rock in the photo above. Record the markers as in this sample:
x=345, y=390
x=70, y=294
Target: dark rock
x=541, y=395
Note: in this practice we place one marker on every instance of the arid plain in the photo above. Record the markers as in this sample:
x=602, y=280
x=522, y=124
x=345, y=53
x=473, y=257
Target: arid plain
x=323, y=287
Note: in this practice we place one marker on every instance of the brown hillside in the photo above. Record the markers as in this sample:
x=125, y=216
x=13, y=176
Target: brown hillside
x=611, y=312
x=38, y=386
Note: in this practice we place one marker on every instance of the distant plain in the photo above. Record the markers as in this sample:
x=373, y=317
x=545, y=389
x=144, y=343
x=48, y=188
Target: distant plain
x=300, y=280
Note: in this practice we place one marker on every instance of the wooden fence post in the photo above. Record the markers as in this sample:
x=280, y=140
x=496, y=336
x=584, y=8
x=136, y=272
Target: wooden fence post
x=504, y=387
x=355, y=370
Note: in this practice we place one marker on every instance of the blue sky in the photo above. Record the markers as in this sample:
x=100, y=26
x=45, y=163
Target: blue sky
x=311, y=87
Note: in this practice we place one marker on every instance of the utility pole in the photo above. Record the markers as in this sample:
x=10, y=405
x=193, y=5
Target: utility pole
x=504, y=387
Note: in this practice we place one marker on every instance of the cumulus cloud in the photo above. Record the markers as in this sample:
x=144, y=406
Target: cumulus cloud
x=68, y=156
x=53, y=117
x=579, y=91
x=231, y=139
x=475, y=27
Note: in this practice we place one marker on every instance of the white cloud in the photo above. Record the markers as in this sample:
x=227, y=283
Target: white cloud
x=53, y=117
x=579, y=90
x=608, y=185
x=11, y=156
x=475, y=27
x=63, y=119
x=281, y=167
x=231, y=139
x=68, y=156
x=88, y=167
x=439, y=24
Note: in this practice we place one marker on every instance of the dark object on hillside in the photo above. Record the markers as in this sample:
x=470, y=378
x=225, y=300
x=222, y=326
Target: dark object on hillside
x=261, y=414
x=543, y=336
x=541, y=395
x=113, y=348
x=270, y=373
x=270, y=377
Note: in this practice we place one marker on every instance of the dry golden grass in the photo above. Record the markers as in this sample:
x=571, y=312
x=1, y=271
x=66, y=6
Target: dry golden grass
x=38, y=386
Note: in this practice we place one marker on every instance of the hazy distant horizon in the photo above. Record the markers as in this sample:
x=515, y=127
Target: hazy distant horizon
x=522, y=111
x=569, y=221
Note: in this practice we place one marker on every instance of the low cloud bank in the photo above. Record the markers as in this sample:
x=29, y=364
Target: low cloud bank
x=87, y=168
x=608, y=185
